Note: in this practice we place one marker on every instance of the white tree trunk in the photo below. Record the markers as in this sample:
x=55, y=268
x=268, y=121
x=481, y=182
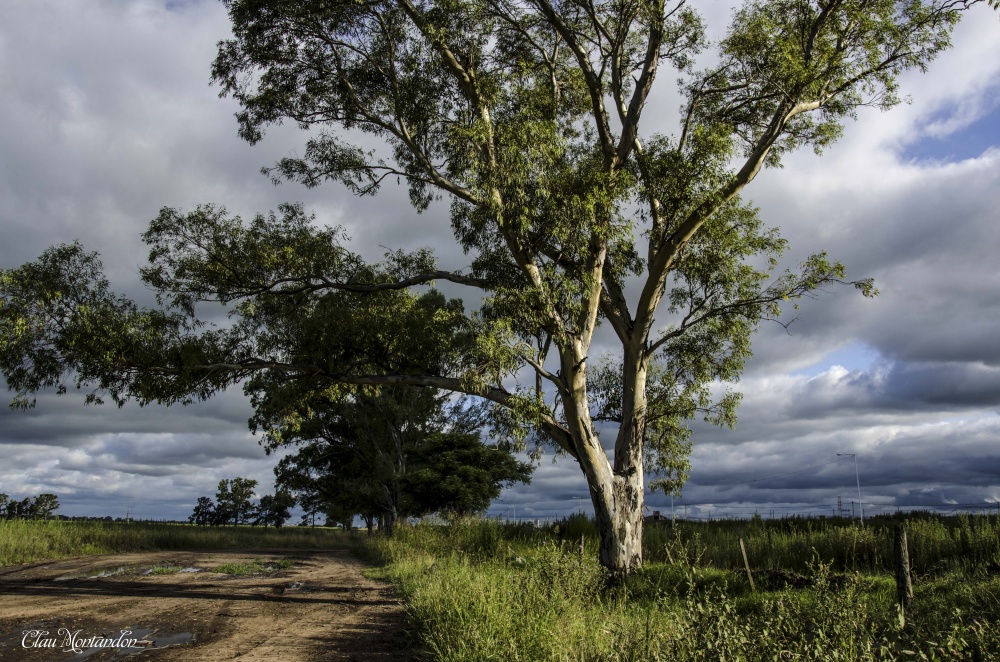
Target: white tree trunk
x=617, y=491
x=619, y=524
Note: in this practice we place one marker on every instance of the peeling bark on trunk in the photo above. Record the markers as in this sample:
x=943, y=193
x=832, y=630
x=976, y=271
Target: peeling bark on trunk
x=619, y=524
x=617, y=492
x=620, y=520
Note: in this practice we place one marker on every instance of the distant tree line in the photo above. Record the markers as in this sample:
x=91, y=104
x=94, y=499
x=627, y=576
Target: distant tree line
x=380, y=454
x=233, y=505
x=40, y=507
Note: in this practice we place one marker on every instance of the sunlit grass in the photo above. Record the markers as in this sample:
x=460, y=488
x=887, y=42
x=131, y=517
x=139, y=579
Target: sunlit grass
x=164, y=570
x=485, y=591
x=255, y=567
x=27, y=541
x=936, y=544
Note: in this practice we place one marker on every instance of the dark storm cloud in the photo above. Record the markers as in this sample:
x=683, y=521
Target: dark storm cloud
x=895, y=387
x=899, y=455
x=65, y=420
x=557, y=488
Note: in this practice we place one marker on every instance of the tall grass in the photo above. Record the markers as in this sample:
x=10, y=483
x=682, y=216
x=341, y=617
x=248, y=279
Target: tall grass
x=936, y=544
x=485, y=591
x=24, y=541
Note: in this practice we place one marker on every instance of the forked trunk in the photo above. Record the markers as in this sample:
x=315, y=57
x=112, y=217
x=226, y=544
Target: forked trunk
x=615, y=490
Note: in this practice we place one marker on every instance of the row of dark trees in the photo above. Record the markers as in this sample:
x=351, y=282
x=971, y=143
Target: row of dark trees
x=385, y=454
x=39, y=507
x=233, y=505
x=379, y=453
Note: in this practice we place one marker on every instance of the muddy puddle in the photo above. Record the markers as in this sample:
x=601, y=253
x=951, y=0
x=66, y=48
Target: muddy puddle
x=293, y=606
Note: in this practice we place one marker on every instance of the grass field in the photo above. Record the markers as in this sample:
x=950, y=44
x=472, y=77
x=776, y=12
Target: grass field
x=23, y=541
x=483, y=590
x=824, y=592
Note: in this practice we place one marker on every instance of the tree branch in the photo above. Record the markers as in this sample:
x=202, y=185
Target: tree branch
x=594, y=86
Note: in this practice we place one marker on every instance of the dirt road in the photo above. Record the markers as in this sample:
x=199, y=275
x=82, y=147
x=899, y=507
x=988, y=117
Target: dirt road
x=318, y=606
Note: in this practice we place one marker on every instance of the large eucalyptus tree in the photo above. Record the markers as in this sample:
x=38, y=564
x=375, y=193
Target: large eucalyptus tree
x=531, y=118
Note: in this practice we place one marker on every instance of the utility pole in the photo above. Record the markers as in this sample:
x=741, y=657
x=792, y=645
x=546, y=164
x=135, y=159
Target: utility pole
x=861, y=510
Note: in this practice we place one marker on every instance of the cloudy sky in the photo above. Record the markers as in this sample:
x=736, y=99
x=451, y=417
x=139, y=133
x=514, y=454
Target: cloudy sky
x=106, y=115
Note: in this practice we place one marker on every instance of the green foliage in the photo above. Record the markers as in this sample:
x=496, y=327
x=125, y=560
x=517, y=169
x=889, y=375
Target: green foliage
x=39, y=507
x=384, y=453
x=234, y=506
x=484, y=591
x=456, y=474
x=232, y=501
x=204, y=513
x=273, y=509
x=58, y=317
x=27, y=541
x=353, y=448
x=165, y=570
x=936, y=545
x=576, y=526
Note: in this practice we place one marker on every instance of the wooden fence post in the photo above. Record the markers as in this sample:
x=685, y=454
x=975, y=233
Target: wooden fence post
x=746, y=564
x=901, y=560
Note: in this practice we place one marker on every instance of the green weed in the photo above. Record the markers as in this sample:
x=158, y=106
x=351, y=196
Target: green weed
x=485, y=591
x=164, y=570
x=24, y=541
x=255, y=567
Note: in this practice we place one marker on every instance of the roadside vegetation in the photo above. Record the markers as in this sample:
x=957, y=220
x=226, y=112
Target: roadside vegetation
x=823, y=591
x=24, y=541
x=164, y=570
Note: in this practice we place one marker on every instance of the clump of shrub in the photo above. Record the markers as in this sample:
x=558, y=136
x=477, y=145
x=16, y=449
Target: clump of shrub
x=164, y=570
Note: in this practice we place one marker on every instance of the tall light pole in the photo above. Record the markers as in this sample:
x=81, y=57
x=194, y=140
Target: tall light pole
x=861, y=510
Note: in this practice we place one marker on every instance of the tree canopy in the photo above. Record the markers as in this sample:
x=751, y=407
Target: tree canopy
x=455, y=474
x=42, y=506
x=573, y=207
x=384, y=453
x=233, y=505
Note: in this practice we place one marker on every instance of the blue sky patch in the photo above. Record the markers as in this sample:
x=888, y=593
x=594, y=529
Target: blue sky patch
x=968, y=142
x=854, y=356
